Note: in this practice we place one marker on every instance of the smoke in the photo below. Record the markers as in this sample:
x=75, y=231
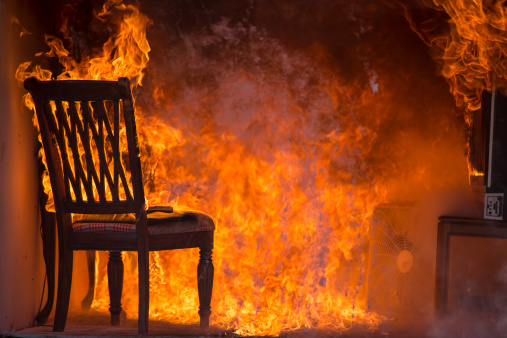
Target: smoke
x=301, y=72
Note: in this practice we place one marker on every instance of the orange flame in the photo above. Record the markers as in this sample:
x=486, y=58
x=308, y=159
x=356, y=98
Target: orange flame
x=473, y=51
x=470, y=50
x=124, y=54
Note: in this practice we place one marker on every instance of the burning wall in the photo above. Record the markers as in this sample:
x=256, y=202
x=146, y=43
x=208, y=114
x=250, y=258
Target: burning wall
x=288, y=122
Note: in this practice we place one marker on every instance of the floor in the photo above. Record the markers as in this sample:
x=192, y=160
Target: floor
x=97, y=325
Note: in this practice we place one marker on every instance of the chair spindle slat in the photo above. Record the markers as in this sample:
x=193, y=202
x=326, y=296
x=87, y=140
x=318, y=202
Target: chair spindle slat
x=79, y=172
x=68, y=175
x=103, y=121
x=84, y=132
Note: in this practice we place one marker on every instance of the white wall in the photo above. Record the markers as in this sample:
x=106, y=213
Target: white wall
x=21, y=264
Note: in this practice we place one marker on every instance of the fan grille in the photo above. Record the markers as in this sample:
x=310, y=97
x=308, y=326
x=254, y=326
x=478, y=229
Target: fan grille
x=399, y=276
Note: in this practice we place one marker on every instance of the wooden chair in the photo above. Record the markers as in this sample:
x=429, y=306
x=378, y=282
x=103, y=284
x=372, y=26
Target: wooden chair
x=85, y=125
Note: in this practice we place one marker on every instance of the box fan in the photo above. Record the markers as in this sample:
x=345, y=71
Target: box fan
x=401, y=268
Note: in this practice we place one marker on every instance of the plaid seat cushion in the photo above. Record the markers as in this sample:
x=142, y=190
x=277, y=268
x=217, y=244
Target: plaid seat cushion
x=103, y=227
x=159, y=223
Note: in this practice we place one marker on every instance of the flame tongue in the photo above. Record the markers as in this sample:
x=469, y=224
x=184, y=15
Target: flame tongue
x=472, y=49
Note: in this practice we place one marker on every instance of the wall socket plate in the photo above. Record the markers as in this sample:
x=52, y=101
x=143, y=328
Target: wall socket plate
x=493, y=206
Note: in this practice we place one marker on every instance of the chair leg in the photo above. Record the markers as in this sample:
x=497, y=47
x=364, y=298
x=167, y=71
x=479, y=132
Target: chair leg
x=48, y=252
x=65, y=261
x=87, y=301
x=48, y=225
x=144, y=291
x=115, y=283
x=205, y=272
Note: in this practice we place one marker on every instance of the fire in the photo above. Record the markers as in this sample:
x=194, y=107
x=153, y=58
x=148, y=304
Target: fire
x=472, y=53
x=286, y=176
x=470, y=50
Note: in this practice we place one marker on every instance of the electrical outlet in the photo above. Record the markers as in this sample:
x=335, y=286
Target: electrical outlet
x=493, y=206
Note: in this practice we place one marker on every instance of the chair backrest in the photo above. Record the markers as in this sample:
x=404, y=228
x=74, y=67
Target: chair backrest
x=89, y=136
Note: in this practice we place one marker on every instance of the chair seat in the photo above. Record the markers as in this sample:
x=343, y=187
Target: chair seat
x=160, y=222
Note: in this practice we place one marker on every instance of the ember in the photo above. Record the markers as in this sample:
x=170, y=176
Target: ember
x=288, y=151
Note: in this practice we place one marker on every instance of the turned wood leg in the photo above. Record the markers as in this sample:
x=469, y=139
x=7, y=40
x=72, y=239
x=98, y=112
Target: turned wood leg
x=205, y=272
x=65, y=257
x=115, y=283
x=87, y=301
